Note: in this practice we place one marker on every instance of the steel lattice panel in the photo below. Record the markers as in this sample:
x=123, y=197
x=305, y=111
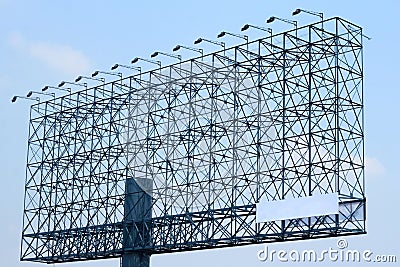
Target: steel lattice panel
x=201, y=142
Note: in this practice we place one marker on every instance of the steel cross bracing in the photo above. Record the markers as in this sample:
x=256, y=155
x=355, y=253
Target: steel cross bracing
x=204, y=140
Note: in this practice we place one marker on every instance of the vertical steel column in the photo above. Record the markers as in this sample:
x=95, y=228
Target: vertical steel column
x=213, y=138
x=283, y=128
x=283, y=114
x=234, y=145
x=190, y=139
x=24, y=219
x=309, y=111
x=362, y=104
x=137, y=209
x=258, y=145
x=337, y=168
x=309, y=120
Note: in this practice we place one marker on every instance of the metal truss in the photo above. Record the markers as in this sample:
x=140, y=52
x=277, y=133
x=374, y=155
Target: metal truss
x=176, y=159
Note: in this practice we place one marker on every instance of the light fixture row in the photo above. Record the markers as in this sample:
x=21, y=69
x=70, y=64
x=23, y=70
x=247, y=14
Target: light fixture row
x=157, y=53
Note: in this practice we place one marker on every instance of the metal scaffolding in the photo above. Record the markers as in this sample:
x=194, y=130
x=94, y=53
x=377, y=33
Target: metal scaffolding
x=176, y=158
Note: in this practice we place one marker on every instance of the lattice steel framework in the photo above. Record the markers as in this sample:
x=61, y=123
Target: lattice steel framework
x=176, y=159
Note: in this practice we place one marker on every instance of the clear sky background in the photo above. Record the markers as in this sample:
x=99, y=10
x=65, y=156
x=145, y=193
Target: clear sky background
x=44, y=42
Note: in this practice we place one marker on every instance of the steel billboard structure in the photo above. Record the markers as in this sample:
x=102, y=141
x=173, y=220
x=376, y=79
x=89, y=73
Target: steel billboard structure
x=175, y=159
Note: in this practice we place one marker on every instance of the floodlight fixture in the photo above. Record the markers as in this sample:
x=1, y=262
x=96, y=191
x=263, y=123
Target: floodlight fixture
x=126, y=67
x=14, y=99
x=198, y=50
x=97, y=72
x=199, y=40
x=223, y=33
x=245, y=37
x=293, y=22
x=61, y=84
x=47, y=87
x=248, y=26
x=272, y=19
x=298, y=11
x=176, y=48
x=136, y=59
x=245, y=27
x=156, y=53
x=89, y=78
x=30, y=93
x=318, y=14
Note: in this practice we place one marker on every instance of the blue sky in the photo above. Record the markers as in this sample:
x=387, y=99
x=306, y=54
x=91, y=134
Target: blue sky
x=44, y=42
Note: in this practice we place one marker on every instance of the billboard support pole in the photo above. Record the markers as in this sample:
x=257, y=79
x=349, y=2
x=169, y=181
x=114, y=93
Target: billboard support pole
x=137, y=211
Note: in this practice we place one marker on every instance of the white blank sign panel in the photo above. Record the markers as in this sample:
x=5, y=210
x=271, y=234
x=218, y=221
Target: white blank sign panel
x=292, y=208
